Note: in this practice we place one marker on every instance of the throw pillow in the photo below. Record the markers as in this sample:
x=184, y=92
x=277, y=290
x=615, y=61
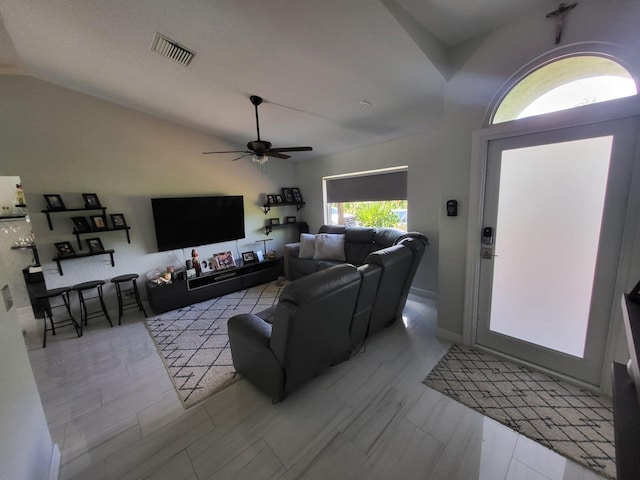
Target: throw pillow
x=307, y=245
x=329, y=246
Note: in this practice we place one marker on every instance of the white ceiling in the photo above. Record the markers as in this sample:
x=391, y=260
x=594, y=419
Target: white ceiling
x=312, y=61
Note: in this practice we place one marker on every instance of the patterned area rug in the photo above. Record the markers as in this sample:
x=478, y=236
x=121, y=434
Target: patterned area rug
x=574, y=422
x=193, y=341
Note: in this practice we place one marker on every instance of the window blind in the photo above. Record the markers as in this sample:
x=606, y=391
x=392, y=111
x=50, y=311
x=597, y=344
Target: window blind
x=368, y=188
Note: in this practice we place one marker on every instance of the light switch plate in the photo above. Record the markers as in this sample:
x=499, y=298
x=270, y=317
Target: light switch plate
x=6, y=296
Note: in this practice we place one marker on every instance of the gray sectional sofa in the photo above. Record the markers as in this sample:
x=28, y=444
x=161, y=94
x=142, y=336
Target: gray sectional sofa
x=359, y=242
x=324, y=314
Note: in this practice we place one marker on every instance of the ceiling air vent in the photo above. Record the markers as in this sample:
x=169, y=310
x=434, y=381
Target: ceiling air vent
x=170, y=49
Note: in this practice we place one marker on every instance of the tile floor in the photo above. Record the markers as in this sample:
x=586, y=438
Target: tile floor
x=115, y=415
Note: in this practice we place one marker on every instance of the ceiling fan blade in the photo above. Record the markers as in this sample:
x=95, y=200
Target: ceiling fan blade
x=241, y=156
x=291, y=149
x=227, y=151
x=271, y=153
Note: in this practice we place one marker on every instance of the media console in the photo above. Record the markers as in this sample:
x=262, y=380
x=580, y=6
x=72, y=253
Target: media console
x=181, y=293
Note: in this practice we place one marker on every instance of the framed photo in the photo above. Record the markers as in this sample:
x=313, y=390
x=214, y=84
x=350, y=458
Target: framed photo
x=224, y=260
x=80, y=224
x=290, y=220
x=274, y=221
x=259, y=256
x=98, y=222
x=297, y=197
x=271, y=199
x=117, y=220
x=278, y=198
x=65, y=249
x=91, y=200
x=54, y=202
x=288, y=196
x=95, y=245
x=207, y=264
x=634, y=294
x=249, y=257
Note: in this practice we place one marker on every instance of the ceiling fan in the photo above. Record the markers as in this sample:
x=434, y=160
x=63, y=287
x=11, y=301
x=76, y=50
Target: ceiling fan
x=261, y=149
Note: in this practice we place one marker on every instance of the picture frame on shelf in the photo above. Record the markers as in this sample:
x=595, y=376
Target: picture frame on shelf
x=117, y=220
x=224, y=260
x=98, y=222
x=249, y=257
x=65, y=249
x=274, y=221
x=287, y=195
x=207, y=265
x=271, y=198
x=91, y=200
x=54, y=201
x=278, y=198
x=291, y=219
x=95, y=245
x=297, y=196
x=80, y=224
x=259, y=256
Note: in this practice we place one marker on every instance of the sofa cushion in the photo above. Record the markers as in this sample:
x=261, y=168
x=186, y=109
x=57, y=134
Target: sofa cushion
x=357, y=244
x=307, y=245
x=329, y=246
x=385, y=237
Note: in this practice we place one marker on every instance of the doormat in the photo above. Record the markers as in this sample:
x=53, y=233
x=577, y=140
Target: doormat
x=194, y=344
x=572, y=421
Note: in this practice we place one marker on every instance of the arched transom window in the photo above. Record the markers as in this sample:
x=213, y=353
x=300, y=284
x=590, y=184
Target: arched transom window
x=564, y=84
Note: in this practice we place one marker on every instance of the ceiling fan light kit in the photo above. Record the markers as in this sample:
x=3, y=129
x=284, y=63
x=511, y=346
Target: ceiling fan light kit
x=260, y=150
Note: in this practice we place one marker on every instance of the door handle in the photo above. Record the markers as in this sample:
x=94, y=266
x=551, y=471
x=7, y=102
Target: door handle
x=487, y=253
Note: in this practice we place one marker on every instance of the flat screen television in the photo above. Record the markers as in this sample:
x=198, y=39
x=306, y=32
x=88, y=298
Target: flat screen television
x=191, y=221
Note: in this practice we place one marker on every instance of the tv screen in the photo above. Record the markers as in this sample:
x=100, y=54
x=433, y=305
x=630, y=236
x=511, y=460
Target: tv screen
x=192, y=221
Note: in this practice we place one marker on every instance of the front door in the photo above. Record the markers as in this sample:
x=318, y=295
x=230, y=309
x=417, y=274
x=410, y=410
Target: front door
x=554, y=210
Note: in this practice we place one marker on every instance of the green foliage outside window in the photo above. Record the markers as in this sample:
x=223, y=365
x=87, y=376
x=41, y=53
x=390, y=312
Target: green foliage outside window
x=389, y=213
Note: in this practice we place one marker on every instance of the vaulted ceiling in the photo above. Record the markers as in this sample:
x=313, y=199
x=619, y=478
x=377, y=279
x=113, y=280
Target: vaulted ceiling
x=335, y=74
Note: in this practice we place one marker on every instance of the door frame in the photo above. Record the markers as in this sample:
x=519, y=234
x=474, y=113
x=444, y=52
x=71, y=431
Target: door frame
x=613, y=110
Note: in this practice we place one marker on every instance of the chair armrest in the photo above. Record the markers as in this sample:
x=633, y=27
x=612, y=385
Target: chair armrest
x=249, y=339
x=291, y=250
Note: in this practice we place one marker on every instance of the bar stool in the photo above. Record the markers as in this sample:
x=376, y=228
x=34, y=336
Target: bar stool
x=122, y=305
x=45, y=301
x=85, y=314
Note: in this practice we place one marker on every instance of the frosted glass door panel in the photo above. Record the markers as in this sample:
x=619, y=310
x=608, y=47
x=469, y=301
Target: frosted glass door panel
x=548, y=226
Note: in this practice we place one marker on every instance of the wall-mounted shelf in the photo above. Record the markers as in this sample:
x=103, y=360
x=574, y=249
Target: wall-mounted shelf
x=303, y=227
x=34, y=251
x=267, y=206
x=49, y=212
x=94, y=232
x=83, y=255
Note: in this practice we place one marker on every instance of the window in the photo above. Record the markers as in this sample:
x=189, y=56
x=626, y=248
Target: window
x=564, y=84
x=368, y=199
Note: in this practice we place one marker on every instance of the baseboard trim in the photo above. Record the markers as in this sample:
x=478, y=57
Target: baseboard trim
x=449, y=336
x=424, y=293
x=54, y=462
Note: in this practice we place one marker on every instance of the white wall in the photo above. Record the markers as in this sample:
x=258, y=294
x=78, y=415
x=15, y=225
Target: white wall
x=471, y=91
x=64, y=142
x=26, y=448
x=440, y=159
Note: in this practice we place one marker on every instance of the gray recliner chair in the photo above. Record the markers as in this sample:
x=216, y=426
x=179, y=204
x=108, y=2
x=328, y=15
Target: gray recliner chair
x=309, y=332
x=398, y=265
